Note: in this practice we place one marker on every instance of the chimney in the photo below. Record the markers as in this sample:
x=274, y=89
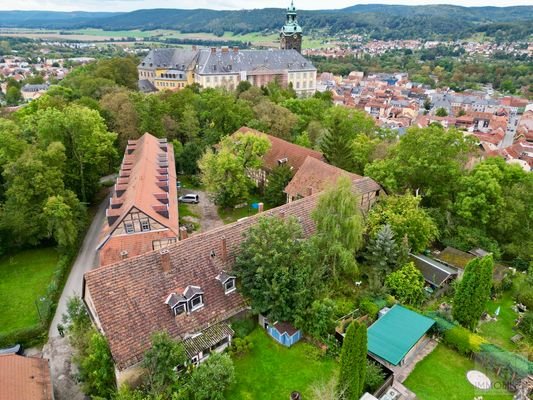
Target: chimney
x=213, y=50
x=261, y=208
x=235, y=50
x=164, y=256
x=309, y=191
x=224, y=249
x=183, y=233
x=123, y=254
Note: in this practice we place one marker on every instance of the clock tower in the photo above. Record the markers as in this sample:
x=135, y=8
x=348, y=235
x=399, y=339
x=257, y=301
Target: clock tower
x=291, y=33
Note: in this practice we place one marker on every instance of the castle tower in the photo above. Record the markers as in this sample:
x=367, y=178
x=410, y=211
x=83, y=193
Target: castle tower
x=291, y=33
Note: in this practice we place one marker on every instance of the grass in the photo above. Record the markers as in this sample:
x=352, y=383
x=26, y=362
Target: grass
x=24, y=278
x=272, y=371
x=500, y=332
x=442, y=375
x=229, y=215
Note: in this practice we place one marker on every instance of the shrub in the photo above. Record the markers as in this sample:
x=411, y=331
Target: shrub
x=463, y=340
x=525, y=296
x=374, y=378
x=343, y=307
x=243, y=327
x=210, y=379
x=367, y=306
x=26, y=337
x=526, y=324
x=240, y=346
x=390, y=300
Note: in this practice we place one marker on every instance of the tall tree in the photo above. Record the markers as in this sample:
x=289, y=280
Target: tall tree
x=276, y=268
x=97, y=371
x=275, y=119
x=278, y=179
x=210, y=379
x=473, y=292
x=343, y=126
x=160, y=361
x=407, y=285
x=382, y=255
x=224, y=172
x=339, y=228
x=353, y=363
x=406, y=218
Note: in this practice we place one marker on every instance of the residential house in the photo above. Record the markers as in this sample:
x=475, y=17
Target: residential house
x=24, y=378
x=143, y=212
x=186, y=289
x=281, y=152
x=32, y=92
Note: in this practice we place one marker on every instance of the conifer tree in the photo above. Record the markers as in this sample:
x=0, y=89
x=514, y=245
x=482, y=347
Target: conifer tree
x=382, y=254
x=473, y=292
x=353, y=363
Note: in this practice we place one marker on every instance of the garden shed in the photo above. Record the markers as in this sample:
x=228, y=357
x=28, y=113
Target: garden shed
x=398, y=335
x=283, y=332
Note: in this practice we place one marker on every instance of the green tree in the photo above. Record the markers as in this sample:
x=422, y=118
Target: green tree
x=473, y=292
x=121, y=115
x=382, y=255
x=97, y=371
x=210, y=379
x=353, y=363
x=188, y=125
x=278, y=179
x=275, y=266
x=13, y=96
x=275, y=119
x=160, y=361
x=363, y=151
x=343, y=126
x=406, y=218
x=339, y=229
x=319, y=321
x=430, y=160
x=224, y=173
x=441, y=112
x=407, y=285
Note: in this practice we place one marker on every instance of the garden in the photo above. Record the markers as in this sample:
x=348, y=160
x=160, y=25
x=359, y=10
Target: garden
x=271, y=371
x=442, y=375
x=24, y=278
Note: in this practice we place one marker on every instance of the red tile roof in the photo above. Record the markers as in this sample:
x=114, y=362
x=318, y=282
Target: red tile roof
x=281, y=149
x=128, y=298
x=24, y=378
x=146, y=182
x=314, y=176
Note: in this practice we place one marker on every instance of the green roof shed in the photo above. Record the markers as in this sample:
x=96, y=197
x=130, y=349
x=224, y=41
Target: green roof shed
x=393, y=335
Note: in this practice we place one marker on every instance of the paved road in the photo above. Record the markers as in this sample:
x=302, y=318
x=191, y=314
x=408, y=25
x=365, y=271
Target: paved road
x=85, y=261
x=510, y=133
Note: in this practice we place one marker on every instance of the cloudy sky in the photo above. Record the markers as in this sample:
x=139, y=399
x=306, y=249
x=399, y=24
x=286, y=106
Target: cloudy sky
x=129, y=5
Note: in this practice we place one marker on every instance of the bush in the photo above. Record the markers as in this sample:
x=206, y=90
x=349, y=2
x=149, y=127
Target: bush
x=463, y=340
x=367, y=306
x=27, y=337
x=243, y=327
x=343, y=307
x=240, y=346
x=525, y=296
x=526, y=324
x=374, y=378
x=211, y=378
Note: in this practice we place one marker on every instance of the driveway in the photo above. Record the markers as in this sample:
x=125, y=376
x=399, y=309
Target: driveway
x=206, y=209
x=58, y=350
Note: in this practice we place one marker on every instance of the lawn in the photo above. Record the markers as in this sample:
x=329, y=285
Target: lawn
x=442, y=375
x=229, y=215
x=500, y=332
x=272, y=371
x=24, y=278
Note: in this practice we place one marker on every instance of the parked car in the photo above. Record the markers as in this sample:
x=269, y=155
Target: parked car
x=16, y=349
x=189, y=198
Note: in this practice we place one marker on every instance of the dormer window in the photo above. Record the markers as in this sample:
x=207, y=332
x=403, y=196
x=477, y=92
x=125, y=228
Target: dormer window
x=179, y=309
x=197, y=302
x=228, y=282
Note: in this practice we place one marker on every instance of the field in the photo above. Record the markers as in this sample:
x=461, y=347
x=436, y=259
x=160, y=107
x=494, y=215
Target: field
x=272, y=371
x=232, y=215
x=442, y=375
x=501, y=331
x=99, y=35
x=24, y=278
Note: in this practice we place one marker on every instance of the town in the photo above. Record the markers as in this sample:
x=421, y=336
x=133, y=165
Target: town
x=214, y=221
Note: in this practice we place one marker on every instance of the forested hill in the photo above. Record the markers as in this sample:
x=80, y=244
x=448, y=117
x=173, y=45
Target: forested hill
x=379, y=21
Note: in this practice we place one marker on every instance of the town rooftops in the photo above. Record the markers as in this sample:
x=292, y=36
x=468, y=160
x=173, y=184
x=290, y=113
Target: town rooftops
x=24, y=378
x=314, y=176
x=129, y=300
x=394, y=334
x=282, y=151
x=435, y=273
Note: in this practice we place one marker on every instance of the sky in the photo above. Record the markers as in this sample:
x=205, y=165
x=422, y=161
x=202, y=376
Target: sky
x=130, y=5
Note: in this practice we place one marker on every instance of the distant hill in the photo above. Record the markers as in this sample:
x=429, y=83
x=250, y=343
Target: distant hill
x=378, y=21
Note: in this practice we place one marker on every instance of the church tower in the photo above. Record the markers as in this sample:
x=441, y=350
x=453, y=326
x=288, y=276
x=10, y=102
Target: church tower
x=291, y=33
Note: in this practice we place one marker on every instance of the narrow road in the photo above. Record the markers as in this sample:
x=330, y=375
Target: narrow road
x=58, y=350
x=206, y=209
x=510, y=132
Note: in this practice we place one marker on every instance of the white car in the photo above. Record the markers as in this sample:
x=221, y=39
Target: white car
x=189, y=198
